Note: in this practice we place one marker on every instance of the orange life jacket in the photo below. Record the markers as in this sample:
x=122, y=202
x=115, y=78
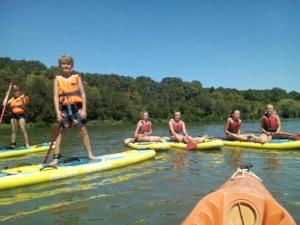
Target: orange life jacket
x=234, y=126
x=17, y=105
x=146, y=127
x=270, y=124
x=177, y=126
x=68, y=90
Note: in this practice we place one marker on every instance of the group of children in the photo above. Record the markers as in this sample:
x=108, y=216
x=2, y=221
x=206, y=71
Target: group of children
x=70, y=108
x=270, y=126
x=177, y=129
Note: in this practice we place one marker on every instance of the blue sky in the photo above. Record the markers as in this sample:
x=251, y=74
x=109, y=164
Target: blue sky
x=238, y=44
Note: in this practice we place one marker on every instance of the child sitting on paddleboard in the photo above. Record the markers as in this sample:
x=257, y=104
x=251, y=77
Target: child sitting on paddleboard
x=178, y=131
x=143, y=130
x=270, y=123
x=233, y=130
x=70, y=105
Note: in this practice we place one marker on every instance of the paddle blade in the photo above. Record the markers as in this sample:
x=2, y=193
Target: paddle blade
x=191, y=145
x=295, y=137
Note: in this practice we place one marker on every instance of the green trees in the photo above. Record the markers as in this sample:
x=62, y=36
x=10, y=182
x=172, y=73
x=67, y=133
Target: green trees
x=289, y=108
x=113, y=97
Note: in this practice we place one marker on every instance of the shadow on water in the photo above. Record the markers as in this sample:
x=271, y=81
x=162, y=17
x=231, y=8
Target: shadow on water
x=160, y=191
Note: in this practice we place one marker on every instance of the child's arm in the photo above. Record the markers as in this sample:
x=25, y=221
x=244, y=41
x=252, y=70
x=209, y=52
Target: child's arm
x=279, y=124
x=239, y=131
x=262, y=127
x=5, y=100
x=83, y=96
x=184, y=129
x=56, y=101
x=23, y=100
x=171, y=128
x=227, y=132
x=138, y=126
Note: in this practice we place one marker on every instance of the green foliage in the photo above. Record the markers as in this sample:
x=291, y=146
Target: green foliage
x=120, y=98
x=289, y=108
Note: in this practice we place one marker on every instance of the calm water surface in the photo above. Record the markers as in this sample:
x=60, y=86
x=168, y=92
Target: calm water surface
x=161, y=191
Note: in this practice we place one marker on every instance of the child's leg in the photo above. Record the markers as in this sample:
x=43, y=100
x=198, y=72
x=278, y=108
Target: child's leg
x=254, y=138
x=57, y=150
x=86, y=141
x=154, y=139
x=265, y=137
x=22, y=124
x=142, y=138
x=201, y=139
x=13, y=132
x=177, y=137
x=187, y=139
x=138, y=137
x=237, y=137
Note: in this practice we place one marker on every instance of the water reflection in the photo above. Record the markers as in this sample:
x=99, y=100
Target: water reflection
x=179, y=159
x=273, y=161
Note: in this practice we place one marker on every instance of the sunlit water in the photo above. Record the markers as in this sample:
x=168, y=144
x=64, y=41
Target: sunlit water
x=159, y=191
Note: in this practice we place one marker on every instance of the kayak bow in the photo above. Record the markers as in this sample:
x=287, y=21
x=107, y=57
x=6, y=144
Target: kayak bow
x=241, y=200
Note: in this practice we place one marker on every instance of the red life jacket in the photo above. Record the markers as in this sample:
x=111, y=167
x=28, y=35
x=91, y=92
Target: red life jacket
x=270, y=124
x=177, y=126
x=146, y=127
x=234, y=126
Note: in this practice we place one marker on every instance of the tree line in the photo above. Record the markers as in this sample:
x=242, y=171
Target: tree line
x=122, y=98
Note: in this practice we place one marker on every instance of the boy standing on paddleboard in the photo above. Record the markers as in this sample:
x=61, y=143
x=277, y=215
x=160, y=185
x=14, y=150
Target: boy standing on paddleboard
x=70, y=105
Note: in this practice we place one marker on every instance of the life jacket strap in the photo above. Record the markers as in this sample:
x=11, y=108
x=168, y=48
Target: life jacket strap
x=76, y=92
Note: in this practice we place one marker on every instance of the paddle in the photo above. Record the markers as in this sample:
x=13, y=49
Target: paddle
x=191, y=145
x=290, y=136
x=5, y=101
x=53, y=138
x=216, y=137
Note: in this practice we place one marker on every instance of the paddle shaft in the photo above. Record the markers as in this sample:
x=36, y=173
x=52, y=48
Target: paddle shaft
x=259, y=132
x=53, y=138
x=216, y=137
x=287, y=135
x=5, y=101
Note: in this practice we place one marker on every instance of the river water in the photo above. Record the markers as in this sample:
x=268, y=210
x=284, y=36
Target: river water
x=161, y=191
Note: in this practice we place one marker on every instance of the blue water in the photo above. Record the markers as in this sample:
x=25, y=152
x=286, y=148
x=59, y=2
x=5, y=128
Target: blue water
x=160, y=191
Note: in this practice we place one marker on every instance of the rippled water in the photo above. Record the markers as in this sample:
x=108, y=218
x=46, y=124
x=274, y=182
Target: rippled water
x=160, y=191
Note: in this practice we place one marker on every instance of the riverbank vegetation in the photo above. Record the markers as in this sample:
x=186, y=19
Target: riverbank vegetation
x=121, y=98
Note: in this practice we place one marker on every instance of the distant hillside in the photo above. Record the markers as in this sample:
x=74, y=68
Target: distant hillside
x=113, y=97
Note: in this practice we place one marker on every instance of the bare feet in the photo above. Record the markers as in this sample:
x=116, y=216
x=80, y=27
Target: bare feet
x=131, y=140
x=260, y=140
x=92, y=157
x=13, y=145
x=201, y=139
x=205, y=137
x=54, y=162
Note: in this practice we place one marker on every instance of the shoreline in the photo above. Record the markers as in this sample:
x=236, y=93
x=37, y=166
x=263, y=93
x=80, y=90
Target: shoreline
x=93, y=123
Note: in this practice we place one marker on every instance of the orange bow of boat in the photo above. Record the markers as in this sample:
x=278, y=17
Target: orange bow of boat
x=241, y=200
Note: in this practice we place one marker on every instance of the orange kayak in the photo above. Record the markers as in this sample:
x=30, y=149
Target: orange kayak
x=241, y=200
